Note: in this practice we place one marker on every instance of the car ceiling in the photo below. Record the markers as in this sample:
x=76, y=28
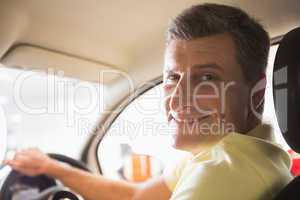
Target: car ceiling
x=123, y=35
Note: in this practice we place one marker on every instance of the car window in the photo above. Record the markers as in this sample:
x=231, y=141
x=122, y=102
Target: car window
x=141, y=129
x=269, y=115
x=48, y=111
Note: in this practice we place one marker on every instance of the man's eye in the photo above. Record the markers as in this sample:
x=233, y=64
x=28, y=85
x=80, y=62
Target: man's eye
x=207, y=77
x=173, y=77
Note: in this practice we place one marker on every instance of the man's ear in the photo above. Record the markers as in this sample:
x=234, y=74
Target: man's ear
x=258, y=94
x=256, y=100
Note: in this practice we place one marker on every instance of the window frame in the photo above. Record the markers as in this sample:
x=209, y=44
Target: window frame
x=123, y=105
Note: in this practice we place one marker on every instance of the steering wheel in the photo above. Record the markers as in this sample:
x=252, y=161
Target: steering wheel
x=39, y=187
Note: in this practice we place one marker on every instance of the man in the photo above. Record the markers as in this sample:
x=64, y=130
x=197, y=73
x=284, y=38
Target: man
x=214, y=82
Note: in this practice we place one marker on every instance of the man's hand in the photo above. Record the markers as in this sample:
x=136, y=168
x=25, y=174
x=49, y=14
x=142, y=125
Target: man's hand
x=33, y=162
x=30, y=162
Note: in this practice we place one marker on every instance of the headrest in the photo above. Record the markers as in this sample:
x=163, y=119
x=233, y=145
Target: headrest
x=286, y=88
x=3, y=135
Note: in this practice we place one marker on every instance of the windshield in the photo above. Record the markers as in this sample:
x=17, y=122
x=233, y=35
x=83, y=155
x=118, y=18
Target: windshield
x=48, y=111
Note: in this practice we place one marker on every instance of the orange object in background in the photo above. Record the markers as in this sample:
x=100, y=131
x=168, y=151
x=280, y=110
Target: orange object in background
x=139, y=167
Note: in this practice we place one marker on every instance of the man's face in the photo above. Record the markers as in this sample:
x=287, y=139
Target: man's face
x=206, y=95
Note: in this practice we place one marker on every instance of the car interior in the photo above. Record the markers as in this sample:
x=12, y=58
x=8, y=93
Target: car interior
x=82, y=81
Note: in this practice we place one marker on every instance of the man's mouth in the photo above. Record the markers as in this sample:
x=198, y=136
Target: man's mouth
x=189, y=120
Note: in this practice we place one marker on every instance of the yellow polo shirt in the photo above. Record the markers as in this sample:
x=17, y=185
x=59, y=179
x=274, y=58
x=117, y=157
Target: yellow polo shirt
x=239, y=167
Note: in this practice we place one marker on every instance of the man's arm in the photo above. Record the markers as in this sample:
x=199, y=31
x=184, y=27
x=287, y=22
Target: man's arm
x=33, y=162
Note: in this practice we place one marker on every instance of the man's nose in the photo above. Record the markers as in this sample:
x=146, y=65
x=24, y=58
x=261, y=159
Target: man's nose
x=181, y=97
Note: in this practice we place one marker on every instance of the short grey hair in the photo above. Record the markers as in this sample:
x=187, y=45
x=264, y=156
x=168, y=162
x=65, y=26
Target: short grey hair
x=251, y=40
